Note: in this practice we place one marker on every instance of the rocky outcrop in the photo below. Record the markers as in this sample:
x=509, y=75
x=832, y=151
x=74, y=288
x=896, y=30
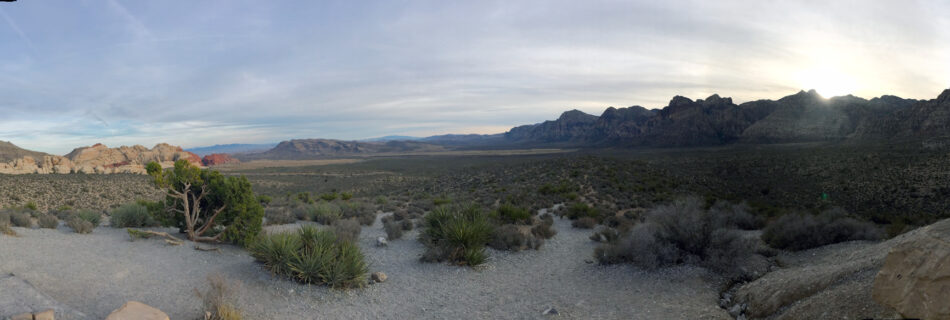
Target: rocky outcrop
x=915, y=279
x=99, y=159
x=216, y=159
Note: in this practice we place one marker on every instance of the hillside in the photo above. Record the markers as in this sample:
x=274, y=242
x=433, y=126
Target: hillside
x=324, y=148
x=231, y=148
x=10, y=152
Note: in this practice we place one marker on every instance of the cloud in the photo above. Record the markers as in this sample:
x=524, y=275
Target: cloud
x=209, y=72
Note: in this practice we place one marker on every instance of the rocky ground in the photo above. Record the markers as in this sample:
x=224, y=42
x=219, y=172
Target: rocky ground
x=97, y=273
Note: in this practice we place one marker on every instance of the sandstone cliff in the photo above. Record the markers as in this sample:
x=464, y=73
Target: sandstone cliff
x=99, y=159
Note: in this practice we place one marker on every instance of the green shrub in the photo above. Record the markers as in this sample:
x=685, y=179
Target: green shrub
x=80, y=225
x=47, y=221
x=381, y=200
x=330, y=196
x=579, y=210
x=441, y=201
x=346, y=196
x=264, y=199
x=31, y=205
x=456, y=234
x=304, y=197
x=511, y=237
x=21, y=219
x=131, y=216
x=508, y=213
x=326, y=213
x=156, y=210
x=312, y=256
x=359, y=210
x=92, y=217
x=804, y=231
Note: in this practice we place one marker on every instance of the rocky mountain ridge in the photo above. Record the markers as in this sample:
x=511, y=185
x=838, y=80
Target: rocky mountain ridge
x=299, y=149
x=93, y=159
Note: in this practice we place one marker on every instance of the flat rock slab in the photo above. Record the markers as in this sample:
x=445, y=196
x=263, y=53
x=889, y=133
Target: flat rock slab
x=17, y=296
x=134, y=310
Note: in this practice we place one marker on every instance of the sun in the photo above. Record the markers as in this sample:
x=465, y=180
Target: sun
x=828, y=81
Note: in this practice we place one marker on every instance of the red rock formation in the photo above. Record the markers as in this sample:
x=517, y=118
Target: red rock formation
x=218, y=159
x=193, y=158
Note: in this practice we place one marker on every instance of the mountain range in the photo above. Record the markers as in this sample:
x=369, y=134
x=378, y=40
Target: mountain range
x=802, y=117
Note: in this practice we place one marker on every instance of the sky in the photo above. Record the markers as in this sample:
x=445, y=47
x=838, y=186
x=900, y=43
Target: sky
x=195, y=73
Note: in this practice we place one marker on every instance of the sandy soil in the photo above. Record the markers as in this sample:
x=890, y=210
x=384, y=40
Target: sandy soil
x=97, y=273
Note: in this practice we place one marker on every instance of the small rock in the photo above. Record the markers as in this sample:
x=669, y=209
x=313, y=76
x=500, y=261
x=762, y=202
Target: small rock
x=735, y=311
x=550, y=311
x=381, y=242
x=134, y=310
x=378, y=277
x=589, y=261
x=45, y=315
x=25, y=316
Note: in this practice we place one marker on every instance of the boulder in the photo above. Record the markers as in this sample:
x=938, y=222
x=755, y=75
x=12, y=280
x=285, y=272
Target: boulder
x=45, y=315
x=218, y=159
x=915, y=279
x=381, y=242
x=378, y=277
x=134, y=310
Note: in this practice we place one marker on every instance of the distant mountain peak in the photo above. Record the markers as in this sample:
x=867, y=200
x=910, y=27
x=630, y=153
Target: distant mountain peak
x=577, y=116
x=944, y=96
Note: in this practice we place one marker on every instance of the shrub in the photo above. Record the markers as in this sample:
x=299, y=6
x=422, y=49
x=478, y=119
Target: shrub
x=346, y=196
x=804, y=231
x=681, y=232
x=264, y=199
x=312, y=256
x=228, y=207
x=736, y=215
x=80, y=225
x=31, y=206
x=218, y=299
x=456, y=235
x=328, y=196
x=91, y=216
x=279, y=215
x=544, y=230
x=326, y=213
x=381, y=200
x=131, y=216
x=21, y=219
x=393, y=229
x=359, y=210
x=5, y=224
x=584, y=223
x=510, y=237
x=48, y=221
x=579, y=210
x=347, y=230
x=406, y=225
x=156, y=210
x=441, y=201
x=508, y=213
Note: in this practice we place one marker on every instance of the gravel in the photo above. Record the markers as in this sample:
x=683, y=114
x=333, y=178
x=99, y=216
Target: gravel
x=97, y=273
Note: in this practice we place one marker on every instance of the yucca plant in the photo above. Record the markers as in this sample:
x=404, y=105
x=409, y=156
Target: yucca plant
x=457, y=235
x=313, y=256
x=276, y=251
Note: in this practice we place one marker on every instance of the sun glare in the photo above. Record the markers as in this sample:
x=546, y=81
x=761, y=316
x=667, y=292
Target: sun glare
x=829, y=82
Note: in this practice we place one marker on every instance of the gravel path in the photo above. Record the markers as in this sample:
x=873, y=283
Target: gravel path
x=97, y=273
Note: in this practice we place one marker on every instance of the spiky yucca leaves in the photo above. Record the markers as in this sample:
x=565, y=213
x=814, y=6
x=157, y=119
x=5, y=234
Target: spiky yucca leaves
x=276, y=251
x=313, y=256
x=457, y=235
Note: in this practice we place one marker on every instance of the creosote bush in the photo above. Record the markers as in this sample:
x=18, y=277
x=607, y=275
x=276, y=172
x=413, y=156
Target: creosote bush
x=347, y=229
x=94, y=218
x=804, y=231
x=21, y=219
x=131, y=216
x=457, y=235
x=681, y=232
x=80, y=225
x=312, y=256
x=47, y=221
x=5, y=224
x=280, y=215
x=584, y=223
x=393, y=229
